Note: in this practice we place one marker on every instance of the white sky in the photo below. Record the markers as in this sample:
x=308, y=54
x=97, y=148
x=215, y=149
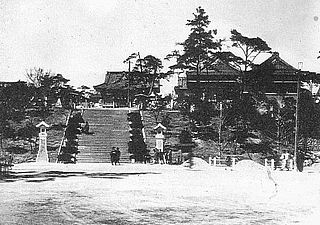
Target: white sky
x=84, y=39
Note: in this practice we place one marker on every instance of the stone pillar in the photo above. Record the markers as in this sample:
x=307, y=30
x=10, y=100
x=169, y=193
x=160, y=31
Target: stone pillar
x=42, y=155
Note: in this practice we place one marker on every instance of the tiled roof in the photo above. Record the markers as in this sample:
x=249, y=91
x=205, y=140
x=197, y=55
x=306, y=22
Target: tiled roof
x=278, y=63
x=118, y=81
x=114, y=80
x=219, y=68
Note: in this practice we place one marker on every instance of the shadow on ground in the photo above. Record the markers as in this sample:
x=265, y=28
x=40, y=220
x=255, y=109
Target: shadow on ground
x=34, y=176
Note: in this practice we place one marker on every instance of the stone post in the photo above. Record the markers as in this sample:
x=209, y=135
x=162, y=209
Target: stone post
x=233, y=162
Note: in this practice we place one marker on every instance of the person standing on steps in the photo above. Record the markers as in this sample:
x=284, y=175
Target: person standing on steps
x=118, y=154
x=113, y=156
x=85, y=129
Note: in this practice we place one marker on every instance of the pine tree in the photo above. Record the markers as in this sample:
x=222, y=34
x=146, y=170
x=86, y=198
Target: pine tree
x=200, y=45
x=250, y=47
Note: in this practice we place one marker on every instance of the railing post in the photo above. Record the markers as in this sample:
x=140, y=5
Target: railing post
x=266, y=162
x=210, y=160
x=215, y=161
x=291, y=164
x=272, y=164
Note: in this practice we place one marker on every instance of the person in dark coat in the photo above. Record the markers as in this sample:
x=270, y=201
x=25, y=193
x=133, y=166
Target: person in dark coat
x=113, y=156
x=118, y=154
x=86, y=128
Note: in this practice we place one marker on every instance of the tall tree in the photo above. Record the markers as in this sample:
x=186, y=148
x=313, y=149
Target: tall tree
x=48, y=87
x=152, y=67
x=251, y=120
x=198, y=51
x=147, y=71
x=200, y=45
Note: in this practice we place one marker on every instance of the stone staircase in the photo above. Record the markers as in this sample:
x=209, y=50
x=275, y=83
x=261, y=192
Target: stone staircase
x=109, y=128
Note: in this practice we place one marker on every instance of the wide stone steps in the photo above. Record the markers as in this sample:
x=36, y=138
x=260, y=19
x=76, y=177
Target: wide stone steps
x=109, y=129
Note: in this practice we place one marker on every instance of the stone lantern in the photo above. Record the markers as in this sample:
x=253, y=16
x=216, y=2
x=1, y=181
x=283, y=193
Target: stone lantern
x=42, y=155
x=160, y=137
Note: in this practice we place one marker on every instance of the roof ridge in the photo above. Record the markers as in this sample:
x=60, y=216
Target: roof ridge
x=275, y=55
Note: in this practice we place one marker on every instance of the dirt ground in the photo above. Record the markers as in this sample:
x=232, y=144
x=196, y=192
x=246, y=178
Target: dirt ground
x=156, y=194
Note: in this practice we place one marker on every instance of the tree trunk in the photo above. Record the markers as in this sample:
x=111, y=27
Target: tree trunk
x=152, y=84
x=30, y=142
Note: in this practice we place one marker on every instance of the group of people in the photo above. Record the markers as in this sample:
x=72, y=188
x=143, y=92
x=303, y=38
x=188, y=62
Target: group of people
x=161, y=157
x=115, y=156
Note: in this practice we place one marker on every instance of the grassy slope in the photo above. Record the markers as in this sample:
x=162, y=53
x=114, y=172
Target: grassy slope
x=22, y=151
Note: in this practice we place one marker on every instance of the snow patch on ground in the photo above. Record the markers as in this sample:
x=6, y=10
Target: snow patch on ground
x=196, y=163
x=157, y=194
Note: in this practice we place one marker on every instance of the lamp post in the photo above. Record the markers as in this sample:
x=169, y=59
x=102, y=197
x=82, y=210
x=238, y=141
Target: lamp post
x=129, y=102
x=296, y=136
x=128, y=60
x=220, y=128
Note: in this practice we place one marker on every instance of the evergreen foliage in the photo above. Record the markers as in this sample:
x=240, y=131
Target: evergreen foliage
x=200, y=45
x=146, y=71
x=136, y=145
x=69, y=152
x=47, y=88
x=250, y=48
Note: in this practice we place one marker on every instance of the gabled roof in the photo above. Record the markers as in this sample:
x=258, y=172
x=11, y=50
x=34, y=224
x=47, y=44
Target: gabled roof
x=280, y=72
x=160, y=126
x=42, y=124
x=114, y=80
x=119, y=81
x=115, y=77
x=218, y=68
x=277, y=63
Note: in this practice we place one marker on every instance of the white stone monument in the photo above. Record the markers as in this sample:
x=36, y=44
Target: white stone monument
x=42, y=155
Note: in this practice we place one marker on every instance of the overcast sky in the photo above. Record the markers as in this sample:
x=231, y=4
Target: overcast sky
x=83, y=40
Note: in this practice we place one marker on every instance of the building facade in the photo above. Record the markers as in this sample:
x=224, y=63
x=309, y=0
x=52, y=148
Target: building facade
x=121, y=90
x=274, y=77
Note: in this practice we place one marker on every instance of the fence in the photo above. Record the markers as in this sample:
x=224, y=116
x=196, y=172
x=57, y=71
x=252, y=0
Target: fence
x=285, y=164
x=228, y=160
x=231, y=160
x=5, y=164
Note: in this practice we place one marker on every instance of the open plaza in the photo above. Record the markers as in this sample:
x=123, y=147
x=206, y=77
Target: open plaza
x=156, y=194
